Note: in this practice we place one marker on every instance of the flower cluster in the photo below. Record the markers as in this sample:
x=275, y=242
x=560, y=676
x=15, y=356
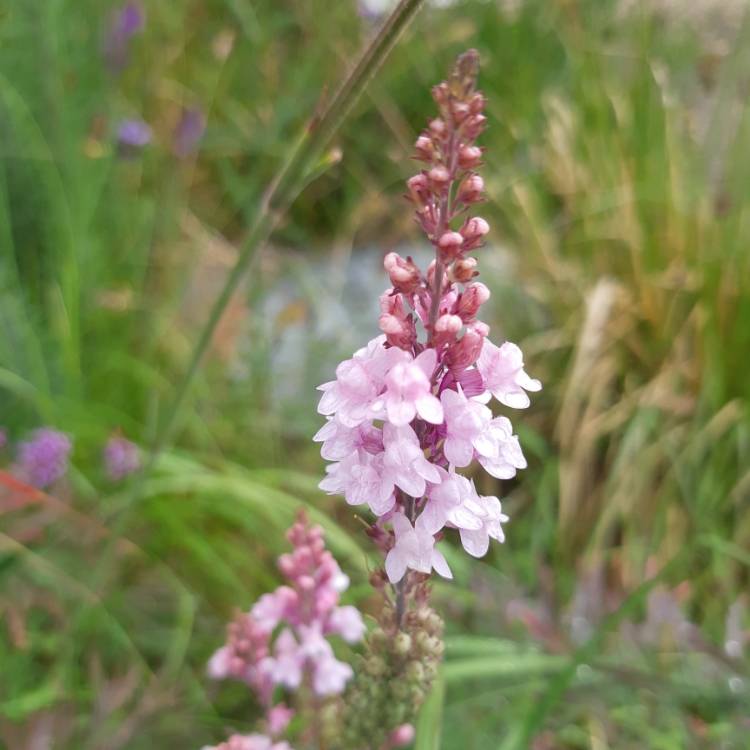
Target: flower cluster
x=282, y=640
x=121, y=458
x=43, y=459
x=404, y=414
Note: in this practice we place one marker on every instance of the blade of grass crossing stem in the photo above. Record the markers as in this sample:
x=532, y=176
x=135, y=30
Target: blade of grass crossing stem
x=285, y=188
x=430, y=721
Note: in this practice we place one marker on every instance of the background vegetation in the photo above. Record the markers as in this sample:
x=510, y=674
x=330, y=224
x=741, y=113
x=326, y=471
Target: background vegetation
x=617, y=165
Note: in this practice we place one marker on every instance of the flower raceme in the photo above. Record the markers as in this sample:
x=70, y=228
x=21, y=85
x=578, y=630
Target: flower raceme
x=283, y=639
x=404, y=414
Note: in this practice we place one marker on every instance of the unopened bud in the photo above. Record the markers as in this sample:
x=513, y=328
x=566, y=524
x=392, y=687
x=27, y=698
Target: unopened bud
x=469, y=156
x=460, y=111
x=450, y=245
x=437, y=127
x=473, y=126
x=471, y=189
x=464, y=270
x=439, y=176
x=472, y=299
x=375, y=666
x=419, y=189
x=446, y=329
x=402, y=736
x=414, y=672
x=404, y=274
x=425, y=148
x=477, y=103
x=473, y=231
x=402, y=644
x=467, y=349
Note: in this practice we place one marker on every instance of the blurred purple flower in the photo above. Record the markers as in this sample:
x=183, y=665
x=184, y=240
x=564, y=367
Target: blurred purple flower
x=44, y=459
x=132, y=136
x=121, y=458
x=3, y=438
x=124, y=24
x=189, y=131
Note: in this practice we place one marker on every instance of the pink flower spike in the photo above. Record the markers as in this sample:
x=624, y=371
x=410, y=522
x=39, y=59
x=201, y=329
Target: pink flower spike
x=414, y=549
x=503, y=374
x=409, y=391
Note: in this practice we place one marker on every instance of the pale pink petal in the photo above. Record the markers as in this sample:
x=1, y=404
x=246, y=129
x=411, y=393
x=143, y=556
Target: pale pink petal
x=440, y=564
x=430, y=409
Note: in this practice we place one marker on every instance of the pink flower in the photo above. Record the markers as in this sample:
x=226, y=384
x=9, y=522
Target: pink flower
x=346, y=622
x=278, y=718
x=453, y=502
x=272, y=608
x=250, y=742
x=340, y=441
x=505, y=455
x=414, y=549
x=476, y=541
x=361, y=479
x=404, y=462
x=354, y=395
x=409, y=391
x=466, y=424
x=504, y=376
x=285, y=666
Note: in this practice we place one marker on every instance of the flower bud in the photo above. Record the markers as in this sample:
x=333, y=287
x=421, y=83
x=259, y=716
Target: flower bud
x=397, y=325
x=402, y=736
x=464, y=270
x=460, y=111
x=419, y=189
x=437, y=127
x=404, y=274
x=473, y=126
x=465, y=352
x=439, y=177
x=477, y=103
x=471, y=189
x=473, y=231
x=375, y=666
x=472, y=299
x=469, y=156
x=446, y=328
x=402, y=644
x=450, y=245
x=425, y=148
x=414, y=672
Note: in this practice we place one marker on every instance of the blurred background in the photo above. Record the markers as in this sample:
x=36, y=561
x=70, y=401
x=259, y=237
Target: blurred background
x=136, y=142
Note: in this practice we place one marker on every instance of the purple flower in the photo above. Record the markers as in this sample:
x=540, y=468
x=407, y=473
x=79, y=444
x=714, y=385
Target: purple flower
x=133, y=135
x=189, y=131
x=124, y=24
x=3, y=438
x=121, y=458
x=44, y=459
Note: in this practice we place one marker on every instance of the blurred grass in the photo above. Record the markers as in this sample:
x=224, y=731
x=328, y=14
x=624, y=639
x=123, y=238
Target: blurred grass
x=617, y=173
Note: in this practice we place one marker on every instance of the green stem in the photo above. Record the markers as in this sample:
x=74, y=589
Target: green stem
x=282, y=192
